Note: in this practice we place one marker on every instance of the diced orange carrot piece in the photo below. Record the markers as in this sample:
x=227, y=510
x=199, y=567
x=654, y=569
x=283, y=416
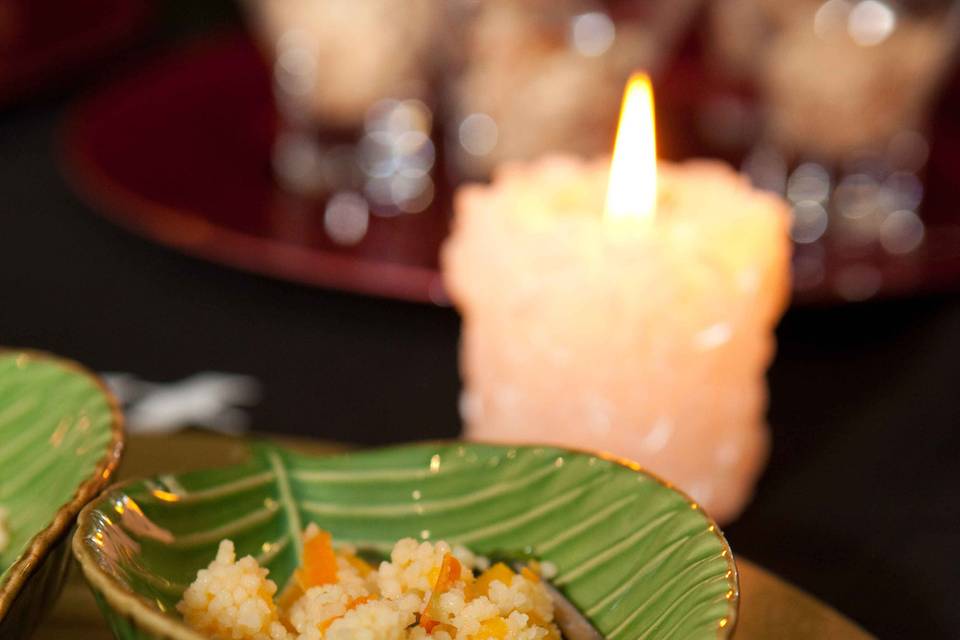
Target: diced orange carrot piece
x=427, y=622
x=431, y=625
x=448, y=575
x=323, y=626
x=319, y=562
x=527, y=573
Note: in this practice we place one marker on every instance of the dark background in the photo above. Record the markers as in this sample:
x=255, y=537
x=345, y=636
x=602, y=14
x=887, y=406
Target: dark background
x=859, y=503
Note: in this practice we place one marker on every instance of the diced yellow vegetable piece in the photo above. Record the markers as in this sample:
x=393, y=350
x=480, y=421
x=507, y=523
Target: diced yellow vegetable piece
x=552, y=632
x=492, y=629
x=499, y=571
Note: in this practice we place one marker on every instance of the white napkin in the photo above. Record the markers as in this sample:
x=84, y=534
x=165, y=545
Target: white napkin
x=208, y=400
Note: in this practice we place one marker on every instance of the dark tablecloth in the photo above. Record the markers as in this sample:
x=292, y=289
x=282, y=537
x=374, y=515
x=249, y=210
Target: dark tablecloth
x=860, y=504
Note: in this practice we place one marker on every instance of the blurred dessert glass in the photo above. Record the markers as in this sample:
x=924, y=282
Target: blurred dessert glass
x=538, y=76
x=513, y=78
x=354, y=84
x=845, y=90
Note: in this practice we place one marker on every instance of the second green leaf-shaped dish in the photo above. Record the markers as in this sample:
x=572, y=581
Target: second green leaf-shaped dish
x=634, y=555
x=61, y=435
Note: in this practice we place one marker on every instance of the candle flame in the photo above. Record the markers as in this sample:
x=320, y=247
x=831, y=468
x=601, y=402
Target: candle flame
x=632, y=190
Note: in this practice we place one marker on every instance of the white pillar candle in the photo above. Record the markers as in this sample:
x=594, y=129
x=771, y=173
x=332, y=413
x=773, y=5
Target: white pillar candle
x=646, y=336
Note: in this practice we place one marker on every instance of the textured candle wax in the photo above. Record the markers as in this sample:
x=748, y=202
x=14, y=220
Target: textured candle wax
x=648, y=339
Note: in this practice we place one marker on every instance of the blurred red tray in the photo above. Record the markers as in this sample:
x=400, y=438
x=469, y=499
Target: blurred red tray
x=180, y=153
x=43, y=40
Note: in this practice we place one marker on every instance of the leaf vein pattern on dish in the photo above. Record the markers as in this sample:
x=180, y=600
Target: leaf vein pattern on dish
x=172, y=491
x=286, y=499
x=333, y=509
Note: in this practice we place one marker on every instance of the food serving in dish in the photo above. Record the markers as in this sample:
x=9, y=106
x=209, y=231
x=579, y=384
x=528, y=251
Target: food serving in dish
x=61, y=435
x=634, y=556
x=424, y=590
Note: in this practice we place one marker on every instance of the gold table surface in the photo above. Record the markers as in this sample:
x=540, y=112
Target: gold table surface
x=769, y=607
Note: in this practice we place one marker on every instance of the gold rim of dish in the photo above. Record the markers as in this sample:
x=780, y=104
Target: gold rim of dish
x=133, y=605
x=32, y=557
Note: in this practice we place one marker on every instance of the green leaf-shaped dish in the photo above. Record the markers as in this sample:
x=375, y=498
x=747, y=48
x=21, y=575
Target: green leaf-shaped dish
x=60, y=441
x=636, y=556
